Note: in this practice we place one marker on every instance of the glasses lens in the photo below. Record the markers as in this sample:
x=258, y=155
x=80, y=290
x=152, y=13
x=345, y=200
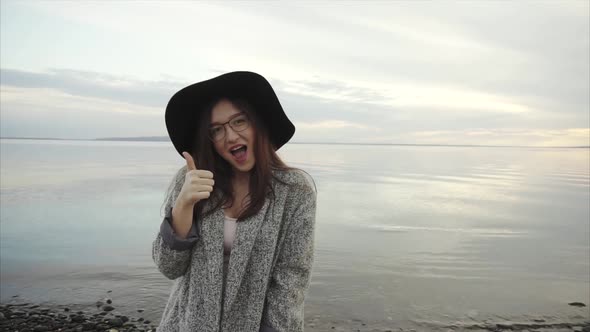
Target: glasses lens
x=216, y=133
x=239, y=123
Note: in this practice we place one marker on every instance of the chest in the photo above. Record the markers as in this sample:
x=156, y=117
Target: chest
x=239, y=203
x=229, y=283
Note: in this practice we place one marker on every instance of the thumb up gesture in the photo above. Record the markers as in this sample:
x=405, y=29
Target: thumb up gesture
x=198, y=183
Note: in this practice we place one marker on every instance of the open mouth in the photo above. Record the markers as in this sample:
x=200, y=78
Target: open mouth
x=240, y=152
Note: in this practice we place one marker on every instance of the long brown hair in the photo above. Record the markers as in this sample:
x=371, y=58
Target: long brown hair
x=207, y=158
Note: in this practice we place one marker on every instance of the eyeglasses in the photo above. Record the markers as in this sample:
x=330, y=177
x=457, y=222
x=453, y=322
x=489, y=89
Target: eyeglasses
x=239, y=123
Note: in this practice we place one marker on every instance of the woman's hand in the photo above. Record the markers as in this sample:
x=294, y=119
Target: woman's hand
x=198, y=184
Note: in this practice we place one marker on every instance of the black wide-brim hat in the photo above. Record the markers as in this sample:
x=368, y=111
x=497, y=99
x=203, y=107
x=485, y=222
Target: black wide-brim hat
x=182, y=112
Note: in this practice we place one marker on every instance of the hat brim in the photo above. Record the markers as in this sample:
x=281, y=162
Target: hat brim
x=182, y=111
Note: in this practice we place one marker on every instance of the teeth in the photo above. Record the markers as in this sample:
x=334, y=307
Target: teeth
x=237, y=148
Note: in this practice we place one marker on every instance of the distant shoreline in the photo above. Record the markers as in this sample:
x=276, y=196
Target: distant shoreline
x=166, y=139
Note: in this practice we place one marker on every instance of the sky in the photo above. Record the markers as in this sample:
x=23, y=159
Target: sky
x=423, y=72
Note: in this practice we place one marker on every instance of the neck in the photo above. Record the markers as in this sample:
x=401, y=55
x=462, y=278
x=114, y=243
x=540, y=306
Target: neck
x=241, y=179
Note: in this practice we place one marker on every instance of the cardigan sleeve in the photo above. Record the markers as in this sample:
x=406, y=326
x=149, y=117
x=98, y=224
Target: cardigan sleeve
x=171, y=253
x=291, y=276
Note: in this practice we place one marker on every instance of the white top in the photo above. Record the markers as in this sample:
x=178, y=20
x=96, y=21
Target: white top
x=229, y=234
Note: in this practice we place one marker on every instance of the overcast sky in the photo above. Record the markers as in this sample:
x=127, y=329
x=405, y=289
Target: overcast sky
x=477, y=72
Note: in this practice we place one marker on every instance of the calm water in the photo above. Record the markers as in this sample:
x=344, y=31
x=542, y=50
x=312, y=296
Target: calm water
x=405, y=235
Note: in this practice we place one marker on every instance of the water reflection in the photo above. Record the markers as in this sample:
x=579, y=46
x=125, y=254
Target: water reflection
x=404, y=234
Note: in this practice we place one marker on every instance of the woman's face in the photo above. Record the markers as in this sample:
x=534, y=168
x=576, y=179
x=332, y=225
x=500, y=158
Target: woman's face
x=241, y=142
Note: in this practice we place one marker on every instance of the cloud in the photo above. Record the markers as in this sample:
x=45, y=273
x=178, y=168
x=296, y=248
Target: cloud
x=39, y=100
x=330, y=124
x=507, y=136
x=450, y=57
x=322, y=110
x=400, y=95
x=92, y=84
x=50, y=112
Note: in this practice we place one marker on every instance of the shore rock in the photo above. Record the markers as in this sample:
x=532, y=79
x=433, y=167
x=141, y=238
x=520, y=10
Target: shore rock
x=31, y=319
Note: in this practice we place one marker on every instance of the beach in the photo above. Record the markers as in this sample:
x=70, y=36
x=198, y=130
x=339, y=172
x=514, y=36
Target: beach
x=104, y=316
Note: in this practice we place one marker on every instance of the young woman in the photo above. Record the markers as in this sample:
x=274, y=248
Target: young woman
x=238, y=233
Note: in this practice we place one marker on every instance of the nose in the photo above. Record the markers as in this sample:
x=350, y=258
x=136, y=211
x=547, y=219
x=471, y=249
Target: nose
x=230, y=134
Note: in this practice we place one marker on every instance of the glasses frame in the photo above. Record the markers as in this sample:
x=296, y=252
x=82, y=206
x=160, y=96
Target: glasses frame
x=222, y=125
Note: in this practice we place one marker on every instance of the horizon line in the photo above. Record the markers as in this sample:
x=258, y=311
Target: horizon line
x=166, y=139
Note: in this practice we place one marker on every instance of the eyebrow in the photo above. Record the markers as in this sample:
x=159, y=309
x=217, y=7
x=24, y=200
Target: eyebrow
x=230, y=118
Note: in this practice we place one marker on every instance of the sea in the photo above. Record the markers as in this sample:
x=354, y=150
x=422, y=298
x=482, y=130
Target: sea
x=406, y=235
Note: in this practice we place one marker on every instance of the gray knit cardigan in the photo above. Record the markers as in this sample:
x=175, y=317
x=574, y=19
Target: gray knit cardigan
x=269, y=270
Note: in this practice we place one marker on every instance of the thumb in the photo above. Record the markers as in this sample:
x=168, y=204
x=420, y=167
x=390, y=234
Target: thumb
x=190, y=163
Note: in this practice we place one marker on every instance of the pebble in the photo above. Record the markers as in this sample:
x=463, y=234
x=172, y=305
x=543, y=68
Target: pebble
x=18, y=313
x=115, y=322
x=32, y=318
x=15, y=317
x=102, y=326
x=89, y=325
